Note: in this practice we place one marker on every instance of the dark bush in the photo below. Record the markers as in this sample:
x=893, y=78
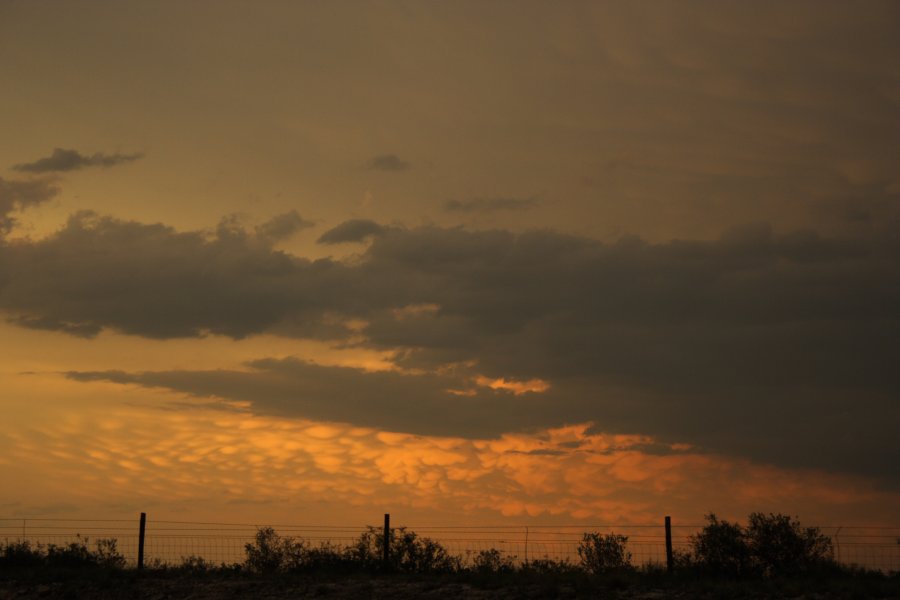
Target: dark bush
x=20, y=555
x=549, y=566
x=330, y=557
x=107, y=554
x=76, y=554
x=771, y=545
x=493, y=561
x=721, y=548
x=270, y=552
x=780, y=546
x=601, y=553
x=408, y=552
x=195, y=564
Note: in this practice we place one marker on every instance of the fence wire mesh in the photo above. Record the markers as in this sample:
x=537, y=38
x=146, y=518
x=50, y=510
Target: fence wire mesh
x=171, y=542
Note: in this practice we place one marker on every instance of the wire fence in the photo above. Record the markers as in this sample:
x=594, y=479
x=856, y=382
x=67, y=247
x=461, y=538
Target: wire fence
x=171, y=542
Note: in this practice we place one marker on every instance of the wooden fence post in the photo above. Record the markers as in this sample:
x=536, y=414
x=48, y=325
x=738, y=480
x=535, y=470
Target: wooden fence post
x=386, y=550
x=526, y=546
x=141, y=531
x=669, y=559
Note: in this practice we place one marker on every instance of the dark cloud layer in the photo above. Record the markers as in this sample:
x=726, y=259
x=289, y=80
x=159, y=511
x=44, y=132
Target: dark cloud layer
x=18, y=194
x=388, y=162
x=354, y=230
x=283, y=226
x=777, y=346
x=71, y=160
x=480, y=205
x=149, y=280
x=386, y=400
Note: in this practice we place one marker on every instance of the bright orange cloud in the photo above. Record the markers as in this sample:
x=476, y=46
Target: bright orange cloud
x=233, y=462
x=516, y=387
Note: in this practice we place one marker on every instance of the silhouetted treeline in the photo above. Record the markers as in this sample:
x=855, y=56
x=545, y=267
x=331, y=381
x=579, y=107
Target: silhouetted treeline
x=769, y=546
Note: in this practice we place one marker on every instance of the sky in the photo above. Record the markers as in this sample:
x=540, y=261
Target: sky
x=462, y=262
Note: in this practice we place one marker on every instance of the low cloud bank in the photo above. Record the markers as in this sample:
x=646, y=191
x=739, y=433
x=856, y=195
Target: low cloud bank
x=776, y=346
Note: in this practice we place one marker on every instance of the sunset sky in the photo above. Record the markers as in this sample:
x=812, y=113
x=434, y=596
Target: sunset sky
x=463, y=262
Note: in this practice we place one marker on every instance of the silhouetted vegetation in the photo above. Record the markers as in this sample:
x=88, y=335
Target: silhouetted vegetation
x=492, y=561
x=772, y=545
x=409, y=553
x=74, y=555
x=772, y=552
x=720, y=548
x=270, y=552
x=604, y=553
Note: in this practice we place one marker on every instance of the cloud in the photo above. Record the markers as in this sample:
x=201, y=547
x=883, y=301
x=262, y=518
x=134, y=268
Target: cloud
x=283, y=226
x=206, y=461
x=386, y=400
x=84, y=330
x=354, y=230
x=71, y=160
x=482, y=205
x=152, y=281
x=18, y=194
x=388, y=162
x=773, y=345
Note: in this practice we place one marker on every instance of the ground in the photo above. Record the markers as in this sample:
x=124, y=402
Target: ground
x=166, y=586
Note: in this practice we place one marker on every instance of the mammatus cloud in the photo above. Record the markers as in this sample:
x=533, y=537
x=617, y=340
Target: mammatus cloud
x=388, y=162
x=355, y=230
x=205, y=456
x=482, y=205
x=18, y=194
x=71, y=160
x=776, y=346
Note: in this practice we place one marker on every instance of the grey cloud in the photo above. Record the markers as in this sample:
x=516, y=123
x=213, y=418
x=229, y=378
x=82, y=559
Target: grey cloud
x=84, y=330
x=149, y=280
x=71, y=160
x=354, y=230
x=481, y=205
x=386, y=400
x=16, y=194
x=388, y=162
x=283, y=226
x=776, y=346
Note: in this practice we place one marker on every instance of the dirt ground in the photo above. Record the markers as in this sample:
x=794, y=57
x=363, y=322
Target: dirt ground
x=156, y=589
x=211, y=588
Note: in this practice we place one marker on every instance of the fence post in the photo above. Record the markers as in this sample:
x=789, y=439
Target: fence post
x=526, y=546
x=837, y=542
x=386, y=550
x=669, y=559
x=141, y=531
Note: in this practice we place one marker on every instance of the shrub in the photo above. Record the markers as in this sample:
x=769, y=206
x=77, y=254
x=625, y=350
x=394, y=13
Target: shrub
x=602, y=553
x=408, y=552
x=21, y=554
x=780, y=546
x=73, y=554
x=771, y=545
x=327, y=556
x=492, y=561
x=195, y=564
x=270, y=552
x=76, y=554
x=721, y=548
x=107, y=554
x=549, y=566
